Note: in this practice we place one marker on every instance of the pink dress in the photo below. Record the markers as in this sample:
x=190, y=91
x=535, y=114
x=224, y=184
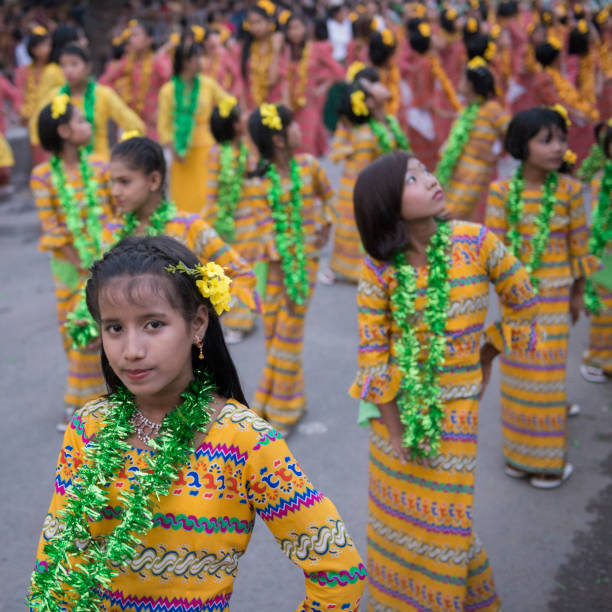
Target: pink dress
x=224, y=68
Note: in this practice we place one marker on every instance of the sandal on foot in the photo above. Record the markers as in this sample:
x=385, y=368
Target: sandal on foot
x=593, y=374
x=514, y=473
x=573, y=410
x=327, y=277
x=542, y=482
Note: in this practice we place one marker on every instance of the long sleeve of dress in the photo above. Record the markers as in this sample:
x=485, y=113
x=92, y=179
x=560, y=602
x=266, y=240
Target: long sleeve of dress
x=54, y=233
x=306, y=526
x=378, y=379
x=495, y=218
x=113, y=72
x=164, y=114
x=519, y=303
x=204, y=241
x=582, y=263
x=323, y=190
x=121, y=113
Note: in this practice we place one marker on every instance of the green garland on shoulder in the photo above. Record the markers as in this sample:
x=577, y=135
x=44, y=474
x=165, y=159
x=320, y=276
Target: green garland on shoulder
x=231, y=177
x=601, y=234
x=457, y=139
x=86, y=235
x=289, y=232
x=514, y=207
x=80, y=325
x=419, y=401
x=184, y=113
x=592, y=164
x=89, y=107
x=101, y=561
x=385, y=136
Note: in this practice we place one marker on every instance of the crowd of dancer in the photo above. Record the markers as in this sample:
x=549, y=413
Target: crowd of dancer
x=210, y=212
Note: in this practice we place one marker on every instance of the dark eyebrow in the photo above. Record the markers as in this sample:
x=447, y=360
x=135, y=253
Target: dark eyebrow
x=149, y=315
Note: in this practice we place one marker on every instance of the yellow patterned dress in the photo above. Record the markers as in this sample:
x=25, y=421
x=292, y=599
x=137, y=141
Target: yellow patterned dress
x=356, y=147
x=84, y=374
x=246, y=240
x=279, y=396
x=188, y=178
x=533, y=393
x=192, y=231
x=107, y=106
x=423, y=553
x=599, y=353
x=189, y=559
x=476, y=165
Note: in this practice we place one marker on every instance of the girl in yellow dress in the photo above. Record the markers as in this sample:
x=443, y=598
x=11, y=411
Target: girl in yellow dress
x=597, y=360
x=422, y=304
x=232, y=215
x=183, y=124
x=98, y=103
x=539, y=213
x=295, y=198
x=164, y=477
x=72, y=195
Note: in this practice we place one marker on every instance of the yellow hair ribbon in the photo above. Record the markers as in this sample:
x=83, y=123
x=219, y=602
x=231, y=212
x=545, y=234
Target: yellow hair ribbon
x=570, y=157
x=354, y=69
x=267, y=6
x=198, y=33
x=59, y=105
x=561, y=110
x=477, y=62
x=226, y=106
x=39, y=30
x=270, y=117
x=424, y=29
x=358, y=104
x=130, y=134
x=387, y=37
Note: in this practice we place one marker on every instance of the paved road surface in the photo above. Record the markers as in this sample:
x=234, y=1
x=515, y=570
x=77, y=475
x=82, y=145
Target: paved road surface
x=535, y=539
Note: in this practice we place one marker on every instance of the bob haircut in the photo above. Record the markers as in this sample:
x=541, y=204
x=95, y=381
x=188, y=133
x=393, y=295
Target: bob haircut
x=377, y=200
x=34, y=40
x=48, y=136
x=418, y=42
x=482, y=81
x=142, y=154
x=526, y=124
x=150, y=256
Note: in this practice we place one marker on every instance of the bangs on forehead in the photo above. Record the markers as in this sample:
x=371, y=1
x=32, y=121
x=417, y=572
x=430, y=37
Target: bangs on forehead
x=138, y=290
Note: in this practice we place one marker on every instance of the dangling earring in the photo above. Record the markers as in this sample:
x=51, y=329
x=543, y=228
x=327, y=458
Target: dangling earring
x=199, y=344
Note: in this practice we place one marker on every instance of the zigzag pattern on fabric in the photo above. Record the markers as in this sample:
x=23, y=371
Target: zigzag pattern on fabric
x=222, y=451
x=221, y=524
x=125, y=601
x=293, y=504
x=342, y=578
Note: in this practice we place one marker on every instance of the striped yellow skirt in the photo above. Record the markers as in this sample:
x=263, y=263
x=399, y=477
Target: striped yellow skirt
x=422, y=551
x=599, y=353
x=533, y=394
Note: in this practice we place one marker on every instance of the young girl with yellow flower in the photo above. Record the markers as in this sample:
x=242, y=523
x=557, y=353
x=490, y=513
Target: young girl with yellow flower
x=295, y=198
x=540, y=215
x=72, y=195
x=159, y=483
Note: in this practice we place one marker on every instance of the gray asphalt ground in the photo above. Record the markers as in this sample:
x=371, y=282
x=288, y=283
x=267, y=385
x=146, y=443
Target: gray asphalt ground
x=548, y=549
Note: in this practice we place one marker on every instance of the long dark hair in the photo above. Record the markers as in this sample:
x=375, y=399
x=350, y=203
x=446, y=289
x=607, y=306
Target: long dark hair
x=262, y=136
x=49, y=138
x=137, y=256
x=185, y=50
x=377, y=199
x=245, y=52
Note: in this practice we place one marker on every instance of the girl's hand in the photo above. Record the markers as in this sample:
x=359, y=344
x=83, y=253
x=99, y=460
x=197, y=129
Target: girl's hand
x=576, y=305
x=176, y=156
x=391, y=419
x=70, y=253
x=322, y=236
x=487, y=354
x=277, y=42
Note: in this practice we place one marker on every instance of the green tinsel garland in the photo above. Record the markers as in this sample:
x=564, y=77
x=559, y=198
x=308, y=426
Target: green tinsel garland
x=83, y=334
x=184, y=115
x=457, y=139
x=601, y=234
x=419, y=400
x=289, y=232
x=385, y=139
x=230, y=188
x=89, y=107
x=100, y=562
x=592, y=164
x=514, y=207
x=85, y=235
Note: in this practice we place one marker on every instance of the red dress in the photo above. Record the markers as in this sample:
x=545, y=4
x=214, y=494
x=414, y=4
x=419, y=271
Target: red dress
x=224, y=68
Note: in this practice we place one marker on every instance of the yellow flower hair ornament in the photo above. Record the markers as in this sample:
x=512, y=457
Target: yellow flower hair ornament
x=495, y=30
x=353, y=16
x=284, y=16
x=451, y=13
x=130, y=134
x=582, y=26
x=59, y=105
x=132, y=23
x=388, y=38
x=475, y=4
x=212, y=283
x=561, y=110
x=40, y=30
x=477, y=62
x=198, y=33
x=419, y=10
x=570, y=157
x=424, y=29
x=554, y=42
x=490, y=51
x=353, y=70
x=602, y=16
x=358, y=104
x=270, y=117
x=227, y=105
x=267, y=6
x=472, y=25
